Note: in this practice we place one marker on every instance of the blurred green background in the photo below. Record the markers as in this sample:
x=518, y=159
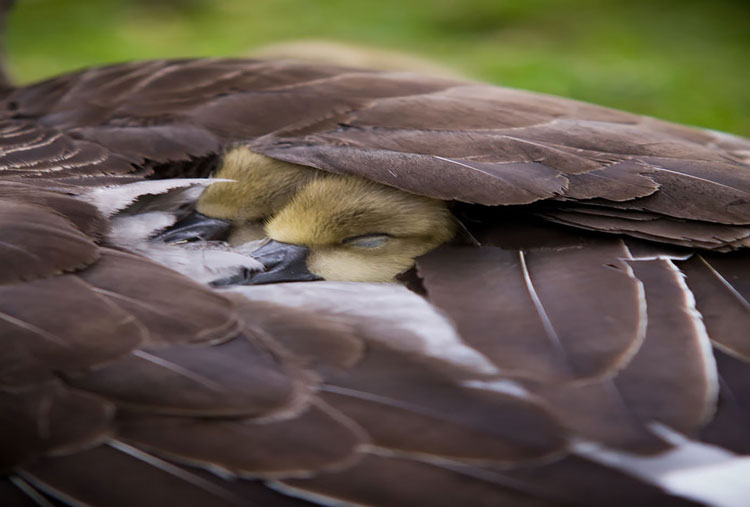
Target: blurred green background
x=682, y=60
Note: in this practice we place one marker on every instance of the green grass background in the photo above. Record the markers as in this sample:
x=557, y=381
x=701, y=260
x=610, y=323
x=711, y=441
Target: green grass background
x=682, y=60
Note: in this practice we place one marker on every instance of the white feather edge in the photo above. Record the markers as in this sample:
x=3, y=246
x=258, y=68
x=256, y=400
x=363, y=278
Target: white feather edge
x=391, y=305
x=135, y=229
x=203, y=262
x=694, y=470
x=310, y=496
x=504, y=386
x=110, y=200
x=704, y=342
x=668, y=257
x=737, y=295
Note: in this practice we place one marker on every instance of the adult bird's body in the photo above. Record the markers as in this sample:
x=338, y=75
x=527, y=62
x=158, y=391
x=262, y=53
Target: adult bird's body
x=583, y=342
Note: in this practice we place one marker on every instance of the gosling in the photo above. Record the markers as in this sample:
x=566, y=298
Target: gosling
x=319, y=225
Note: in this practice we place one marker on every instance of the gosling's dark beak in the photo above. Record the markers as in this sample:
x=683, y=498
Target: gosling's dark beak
x=284, y=262
x=196, y=226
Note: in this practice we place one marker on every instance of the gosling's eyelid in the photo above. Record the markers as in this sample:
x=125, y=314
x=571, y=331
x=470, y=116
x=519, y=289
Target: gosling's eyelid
x=364, y=236
x=368, y=240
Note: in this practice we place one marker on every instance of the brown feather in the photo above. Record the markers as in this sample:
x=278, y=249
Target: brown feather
x=596, y=412
x=82, y=215
x=313, y=338
x=729, y=427
x=172, y=308
x=670, y=379
x=532, y=313
x=580, y=482
x=233, y=378
x=49, y=418
x=314, y=441
x=721, y=285
x=44, y=334
x=675, y=356
x=414, y=405
x=37, y=243
x=122, y=476
x=380, y=480
x=654, y=227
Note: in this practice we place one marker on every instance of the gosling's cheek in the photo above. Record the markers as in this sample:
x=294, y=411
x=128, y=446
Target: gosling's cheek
x=221, y=200
x=345, y=265
x=215, y=209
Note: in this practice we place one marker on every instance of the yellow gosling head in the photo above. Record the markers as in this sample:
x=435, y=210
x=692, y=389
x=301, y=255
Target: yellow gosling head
x=359, y=230
x=261, y=187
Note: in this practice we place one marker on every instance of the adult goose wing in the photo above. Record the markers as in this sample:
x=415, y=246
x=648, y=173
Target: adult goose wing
x=545, y=365
x=446, y=139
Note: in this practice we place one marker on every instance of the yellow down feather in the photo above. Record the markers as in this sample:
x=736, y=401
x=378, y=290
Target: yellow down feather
x=330, y=214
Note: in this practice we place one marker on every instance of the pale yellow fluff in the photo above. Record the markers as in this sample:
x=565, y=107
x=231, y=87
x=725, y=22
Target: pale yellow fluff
x=261, y=186
x=325, y=212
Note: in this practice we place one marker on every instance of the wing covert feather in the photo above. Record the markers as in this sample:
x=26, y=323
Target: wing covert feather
x=721, y=285
x=73, y=333
x=311, y=442
x=532, y=313
x=233, y=378
x=37, y=243
x=173, y=308
x=50, y=418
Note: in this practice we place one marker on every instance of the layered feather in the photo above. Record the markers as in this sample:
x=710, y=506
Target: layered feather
x=125, y=382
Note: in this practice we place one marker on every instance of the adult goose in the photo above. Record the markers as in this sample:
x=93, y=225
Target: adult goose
x=236, y=282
